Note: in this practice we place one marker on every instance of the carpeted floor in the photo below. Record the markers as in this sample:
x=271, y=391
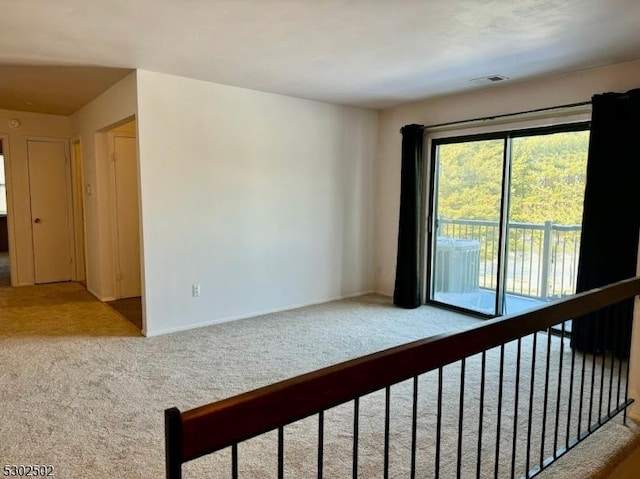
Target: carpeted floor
x=130, y=309
x=82, y=390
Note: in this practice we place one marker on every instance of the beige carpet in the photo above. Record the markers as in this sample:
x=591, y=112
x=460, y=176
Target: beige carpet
x=82, y=390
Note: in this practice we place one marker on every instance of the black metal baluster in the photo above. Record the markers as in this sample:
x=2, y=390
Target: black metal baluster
x=414, y=427
x=481, y=415
x=626, y=395
x=617, y=335
x=356, y=416
x=584, y=363
x=460, y=419
x=320, y=444
x=604, y=361
x=515, y=411
x=438, y=425
x=593, y=378
x=280, y=452
x=499, y=412
x=234, y=461
x=619, y=382
x=546, y=399
x=610, y=384
x=387, y=415
x=531, y=386
x=570, y=402
x=559, y=396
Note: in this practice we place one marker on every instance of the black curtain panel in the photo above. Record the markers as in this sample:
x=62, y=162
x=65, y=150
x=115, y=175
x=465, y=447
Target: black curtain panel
x=611, y=220
x=407, y=286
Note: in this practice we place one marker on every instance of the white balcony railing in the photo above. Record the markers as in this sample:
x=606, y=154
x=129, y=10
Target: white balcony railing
x=542, y=259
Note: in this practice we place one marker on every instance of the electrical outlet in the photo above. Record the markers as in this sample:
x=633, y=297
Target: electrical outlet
x=195, y=290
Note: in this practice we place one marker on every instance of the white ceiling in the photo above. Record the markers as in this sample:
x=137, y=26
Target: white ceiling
x=373, y=53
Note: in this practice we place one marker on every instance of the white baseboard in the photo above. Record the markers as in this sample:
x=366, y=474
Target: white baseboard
x=203, y=324
x=634, y=416
x=386, y=295
x=98, y=297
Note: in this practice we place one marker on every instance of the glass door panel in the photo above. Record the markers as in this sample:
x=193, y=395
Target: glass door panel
x=545, y=217
x=467, y=203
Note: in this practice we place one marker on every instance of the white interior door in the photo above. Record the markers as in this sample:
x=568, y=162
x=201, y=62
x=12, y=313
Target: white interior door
x=127, y=216
x=50, y=210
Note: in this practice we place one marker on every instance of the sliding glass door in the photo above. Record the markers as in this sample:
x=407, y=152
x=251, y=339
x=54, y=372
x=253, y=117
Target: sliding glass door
x=505, y=222
x=467, y=210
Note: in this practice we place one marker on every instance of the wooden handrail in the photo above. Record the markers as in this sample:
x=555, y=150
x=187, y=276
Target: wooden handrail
x=208, y=428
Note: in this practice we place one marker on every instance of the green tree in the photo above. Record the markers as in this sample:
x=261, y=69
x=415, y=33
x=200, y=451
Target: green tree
x=547, y=178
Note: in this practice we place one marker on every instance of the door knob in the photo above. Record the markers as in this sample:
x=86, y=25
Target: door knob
x=37, y=220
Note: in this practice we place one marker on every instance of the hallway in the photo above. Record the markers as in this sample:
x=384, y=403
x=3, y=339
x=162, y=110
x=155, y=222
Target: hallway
x=130, y=309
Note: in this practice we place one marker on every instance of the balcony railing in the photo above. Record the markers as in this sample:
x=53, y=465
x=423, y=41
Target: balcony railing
x=422, y=409
x=542, y=259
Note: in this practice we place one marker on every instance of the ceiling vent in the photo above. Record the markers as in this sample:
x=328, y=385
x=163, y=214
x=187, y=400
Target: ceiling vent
x=488, y=79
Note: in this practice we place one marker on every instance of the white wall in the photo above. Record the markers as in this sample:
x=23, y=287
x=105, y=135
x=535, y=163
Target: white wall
x=264, y=200
x=32, y=125
x=508, y=98
x=89, y=123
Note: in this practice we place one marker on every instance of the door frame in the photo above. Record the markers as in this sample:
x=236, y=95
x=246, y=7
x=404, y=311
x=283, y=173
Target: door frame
x=499, y=129
x=432, y=202
x=113, y=206
x=70, y=219
x=79, y=212
x=13, y=264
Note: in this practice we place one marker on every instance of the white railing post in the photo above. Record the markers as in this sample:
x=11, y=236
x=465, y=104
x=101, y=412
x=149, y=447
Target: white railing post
x=546, y=260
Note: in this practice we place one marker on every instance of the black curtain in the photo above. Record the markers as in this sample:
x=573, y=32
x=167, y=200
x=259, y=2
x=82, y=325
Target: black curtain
x=407, y=286
x=610, y=224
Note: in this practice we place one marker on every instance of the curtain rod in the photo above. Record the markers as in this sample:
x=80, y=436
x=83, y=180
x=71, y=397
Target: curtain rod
x=506, y=115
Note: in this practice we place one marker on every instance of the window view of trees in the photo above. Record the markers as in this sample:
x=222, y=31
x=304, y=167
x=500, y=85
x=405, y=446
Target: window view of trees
x=547, y=178
x=544, y=207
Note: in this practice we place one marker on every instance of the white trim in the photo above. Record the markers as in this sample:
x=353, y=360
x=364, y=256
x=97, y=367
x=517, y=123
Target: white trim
x=511, y=123
x=70, y=220
x=634, y=416
x=514, y=122
x=98, y=297
x=11, y=230
x=78, y=197
x=526, y=121
x=250, y=315
x=113, y=205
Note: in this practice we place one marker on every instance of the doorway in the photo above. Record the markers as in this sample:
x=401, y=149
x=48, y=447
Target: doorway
x=123, y=148
x=5, y=267
x=126, y=216
x=506, y=217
